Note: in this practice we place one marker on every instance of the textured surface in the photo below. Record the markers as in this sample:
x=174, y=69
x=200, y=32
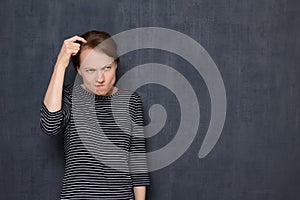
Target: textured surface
x=256, y=46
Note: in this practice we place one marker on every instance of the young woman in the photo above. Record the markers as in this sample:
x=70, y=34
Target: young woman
x=105, y=157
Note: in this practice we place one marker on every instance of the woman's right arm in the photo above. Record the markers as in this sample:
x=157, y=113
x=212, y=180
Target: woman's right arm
x=53, y=115
x=53, y=96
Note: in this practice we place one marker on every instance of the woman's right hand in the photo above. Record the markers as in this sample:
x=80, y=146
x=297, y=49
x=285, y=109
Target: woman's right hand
x=69, y=48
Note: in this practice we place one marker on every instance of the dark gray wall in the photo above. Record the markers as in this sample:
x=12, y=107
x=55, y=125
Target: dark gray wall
x=256, y=46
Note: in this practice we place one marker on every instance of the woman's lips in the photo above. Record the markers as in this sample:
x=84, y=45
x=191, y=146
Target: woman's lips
x=99, y=86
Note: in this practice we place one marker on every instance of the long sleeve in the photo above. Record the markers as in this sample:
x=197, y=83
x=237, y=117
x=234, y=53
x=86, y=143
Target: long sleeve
x=53, y=123
x=137, y=155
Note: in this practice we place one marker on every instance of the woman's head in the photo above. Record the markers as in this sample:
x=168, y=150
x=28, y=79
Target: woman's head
x=95, y=39
x=97, y=62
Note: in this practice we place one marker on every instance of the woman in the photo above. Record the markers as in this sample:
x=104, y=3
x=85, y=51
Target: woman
x=105, y=156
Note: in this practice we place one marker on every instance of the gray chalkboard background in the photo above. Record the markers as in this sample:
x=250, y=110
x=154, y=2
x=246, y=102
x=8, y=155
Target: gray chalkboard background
x=256, y=46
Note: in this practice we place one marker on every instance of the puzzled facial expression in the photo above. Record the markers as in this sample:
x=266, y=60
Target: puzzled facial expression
x=98, y=71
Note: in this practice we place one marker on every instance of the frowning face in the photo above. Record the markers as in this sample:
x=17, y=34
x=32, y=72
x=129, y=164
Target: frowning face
x=98, y=71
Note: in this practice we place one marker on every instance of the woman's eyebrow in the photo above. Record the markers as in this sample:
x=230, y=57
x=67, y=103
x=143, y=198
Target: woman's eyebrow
x=109, y=64
x=88, y=67
x=85, y=67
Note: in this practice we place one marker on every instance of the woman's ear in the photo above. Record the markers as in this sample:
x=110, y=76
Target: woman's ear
x=78, y=71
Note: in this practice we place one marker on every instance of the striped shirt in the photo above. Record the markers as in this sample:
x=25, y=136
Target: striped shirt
x=104, y=144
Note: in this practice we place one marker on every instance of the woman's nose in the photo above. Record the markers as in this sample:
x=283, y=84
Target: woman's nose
x=100, y=76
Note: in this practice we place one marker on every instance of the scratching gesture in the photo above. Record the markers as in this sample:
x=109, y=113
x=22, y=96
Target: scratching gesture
x=53, y=96
x=69, y=48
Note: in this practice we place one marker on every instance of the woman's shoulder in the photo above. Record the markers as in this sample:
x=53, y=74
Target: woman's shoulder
x=68, y=87
x=133, y=95
x=67, y=92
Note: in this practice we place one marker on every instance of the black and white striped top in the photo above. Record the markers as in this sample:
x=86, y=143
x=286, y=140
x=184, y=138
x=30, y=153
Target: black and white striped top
x=104, y=143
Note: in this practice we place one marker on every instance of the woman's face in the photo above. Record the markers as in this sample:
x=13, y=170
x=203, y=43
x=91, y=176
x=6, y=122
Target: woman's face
x=98, y=71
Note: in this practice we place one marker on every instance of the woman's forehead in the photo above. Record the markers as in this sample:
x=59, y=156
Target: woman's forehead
x=93, y=57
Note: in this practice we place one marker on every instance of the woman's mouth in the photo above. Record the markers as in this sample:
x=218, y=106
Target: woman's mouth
x=101, y=85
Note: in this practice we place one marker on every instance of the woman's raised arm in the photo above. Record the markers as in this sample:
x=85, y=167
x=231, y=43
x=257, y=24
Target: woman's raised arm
x=53, y=96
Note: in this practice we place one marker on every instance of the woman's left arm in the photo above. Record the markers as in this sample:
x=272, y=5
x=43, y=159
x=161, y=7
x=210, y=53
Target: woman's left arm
x=137, y=154
x=139, y=192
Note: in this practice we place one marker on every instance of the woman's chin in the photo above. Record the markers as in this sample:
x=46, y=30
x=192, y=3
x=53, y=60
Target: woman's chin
x=101, y=92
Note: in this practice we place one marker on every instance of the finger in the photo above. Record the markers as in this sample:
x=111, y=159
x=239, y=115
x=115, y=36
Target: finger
x=73, y=45
x=77, y=38
x=73, y=52
x=76, y=45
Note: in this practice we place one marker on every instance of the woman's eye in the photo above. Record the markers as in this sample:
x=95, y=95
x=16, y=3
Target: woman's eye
x=90, y=70
x=106, y=68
